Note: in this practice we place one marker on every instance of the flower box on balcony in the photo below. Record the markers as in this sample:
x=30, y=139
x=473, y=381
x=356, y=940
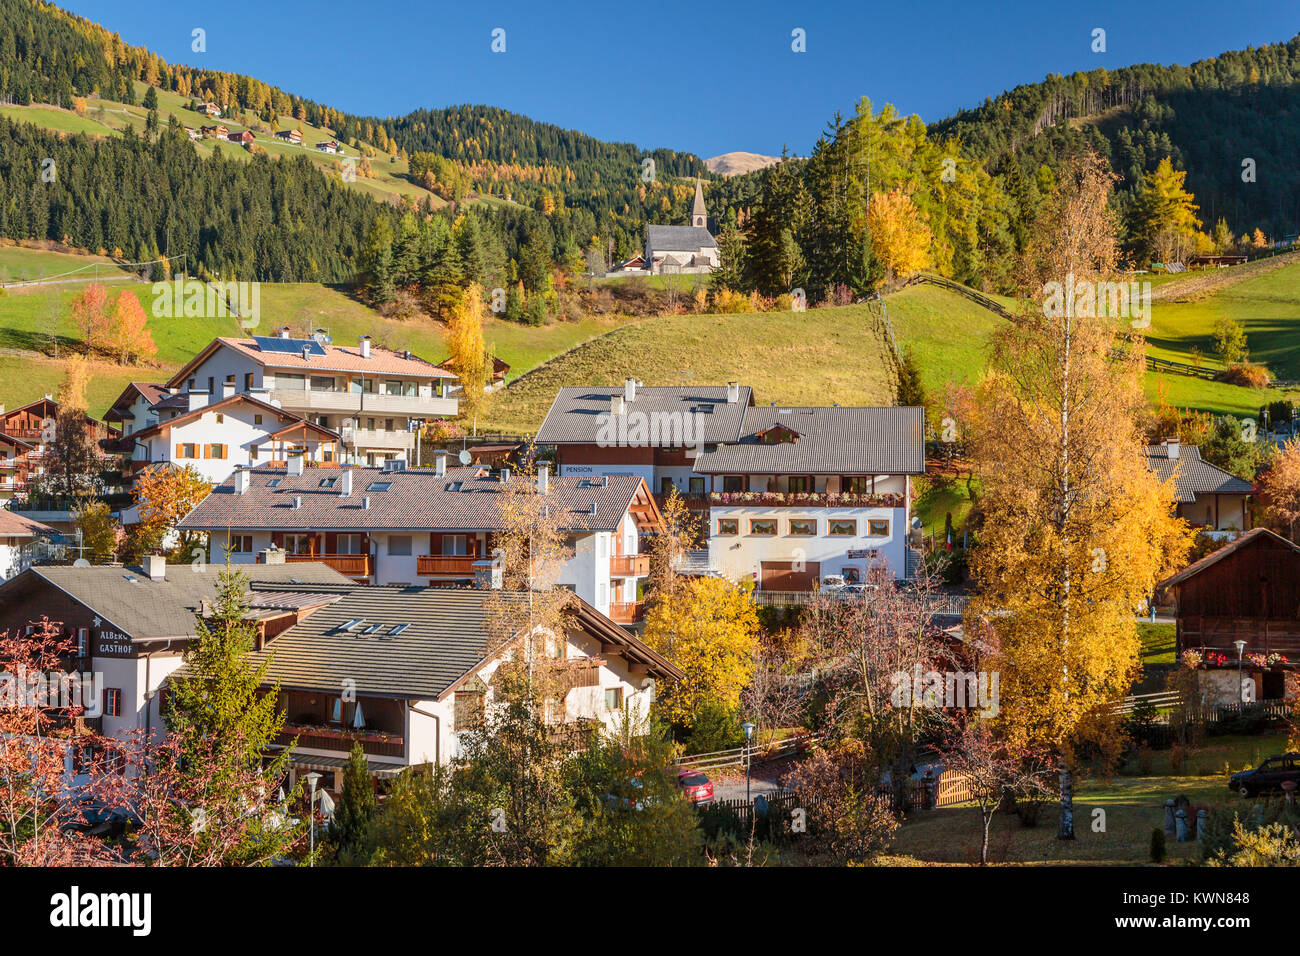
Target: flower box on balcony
x=805, y=499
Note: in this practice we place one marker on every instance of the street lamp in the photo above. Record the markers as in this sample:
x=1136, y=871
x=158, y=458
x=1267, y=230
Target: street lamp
x=312, y=779
x=748, y=728
x=1241, y=688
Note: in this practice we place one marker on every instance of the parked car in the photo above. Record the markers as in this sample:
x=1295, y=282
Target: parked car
x=1270, y=775
x=832, y=582
x=697, y=787
x=856, y=590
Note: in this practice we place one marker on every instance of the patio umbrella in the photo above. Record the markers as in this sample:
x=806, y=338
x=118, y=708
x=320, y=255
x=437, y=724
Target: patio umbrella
x=358, y=719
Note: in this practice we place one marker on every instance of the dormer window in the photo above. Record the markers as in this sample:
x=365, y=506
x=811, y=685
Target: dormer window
x=778, y=434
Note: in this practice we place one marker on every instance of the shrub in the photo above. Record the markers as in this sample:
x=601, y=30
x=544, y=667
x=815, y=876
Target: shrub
x=1157, y=845
x=1177, y=754
x=1246, y=374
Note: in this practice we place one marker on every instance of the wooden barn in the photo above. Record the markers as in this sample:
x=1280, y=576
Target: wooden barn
x=1248, y=590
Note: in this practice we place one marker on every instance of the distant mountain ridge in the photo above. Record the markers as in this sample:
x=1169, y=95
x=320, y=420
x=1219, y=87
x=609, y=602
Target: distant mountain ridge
x=738, y=163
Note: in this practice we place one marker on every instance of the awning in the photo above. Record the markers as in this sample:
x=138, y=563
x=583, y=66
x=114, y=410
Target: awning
x=302, y=761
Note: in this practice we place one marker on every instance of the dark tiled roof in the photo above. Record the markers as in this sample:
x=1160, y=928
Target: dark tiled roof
x=445, y=638
x=883, y=440
x=579, y=414
x=678, y=238
x=152, y=610
x=416, y=500
x=1193, y=475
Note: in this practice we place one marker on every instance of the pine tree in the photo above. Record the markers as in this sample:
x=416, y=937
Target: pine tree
x=356, y=807
x=218, y=696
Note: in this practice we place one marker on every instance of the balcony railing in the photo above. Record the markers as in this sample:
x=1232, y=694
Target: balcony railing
x=809, y=499
x=320, y=738
x=379, y=438
x=351, y=565
x=368, y=403
x=629, y=565
x=440, y=565
x=626, y=612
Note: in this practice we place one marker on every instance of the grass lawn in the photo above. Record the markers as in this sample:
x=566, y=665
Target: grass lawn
x=1157, y=642
x=809, y=358
x=51, y=117
x=933, y=507
x=1133, y=806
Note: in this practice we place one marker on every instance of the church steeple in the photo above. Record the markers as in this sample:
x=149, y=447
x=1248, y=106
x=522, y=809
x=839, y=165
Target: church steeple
x=699, y=217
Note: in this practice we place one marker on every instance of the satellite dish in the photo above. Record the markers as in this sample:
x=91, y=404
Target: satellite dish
x=81, y=563
x=322, y=337
x=464, y=457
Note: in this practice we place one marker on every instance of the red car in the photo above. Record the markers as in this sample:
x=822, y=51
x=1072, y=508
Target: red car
x=697, y=787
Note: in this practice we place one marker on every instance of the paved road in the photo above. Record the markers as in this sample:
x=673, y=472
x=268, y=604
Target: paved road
x=764, y=779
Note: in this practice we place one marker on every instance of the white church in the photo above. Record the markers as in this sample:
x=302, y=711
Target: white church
x=682, y=249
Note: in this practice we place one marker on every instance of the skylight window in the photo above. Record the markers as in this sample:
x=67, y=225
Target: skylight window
x=455, y=486
x=327, y=482
x=379, y=486
x=352, y=624
x=398, y=629
x=274, y=483
x=372, y=628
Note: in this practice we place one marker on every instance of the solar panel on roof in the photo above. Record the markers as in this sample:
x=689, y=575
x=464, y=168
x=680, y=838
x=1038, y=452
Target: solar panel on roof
x=269, y=343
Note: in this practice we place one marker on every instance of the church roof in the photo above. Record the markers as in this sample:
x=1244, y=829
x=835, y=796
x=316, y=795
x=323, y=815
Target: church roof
x=699, y=209
x=679, y=237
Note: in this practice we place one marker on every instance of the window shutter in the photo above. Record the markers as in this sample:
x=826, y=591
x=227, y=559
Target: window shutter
x=180, y=453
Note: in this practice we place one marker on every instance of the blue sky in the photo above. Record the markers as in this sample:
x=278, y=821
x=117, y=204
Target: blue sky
x=704, y=77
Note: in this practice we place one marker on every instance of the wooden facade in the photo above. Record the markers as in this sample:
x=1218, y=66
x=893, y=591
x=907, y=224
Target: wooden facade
x=1249, y=590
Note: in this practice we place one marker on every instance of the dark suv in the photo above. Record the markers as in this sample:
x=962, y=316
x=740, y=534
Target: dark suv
x=1270, y=775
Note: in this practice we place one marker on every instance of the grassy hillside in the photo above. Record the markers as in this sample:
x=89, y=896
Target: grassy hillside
x=25, y=315
x=811, y=358
x=109, y=118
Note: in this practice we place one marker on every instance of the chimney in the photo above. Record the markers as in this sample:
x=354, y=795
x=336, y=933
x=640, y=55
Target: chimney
x=365, y=346
x=155, y=565
x=543, y=477
x=1173, y=448
x=282, y=331
x=439, y=462
x=505, y=475
x=241, y=480
x=616, y=404
x=345, y=483
x=228, y=389
x=306, y=353
x=272, y=555
x=629, y=390
x=487, y=575
x=294, y=465
x=733, y=393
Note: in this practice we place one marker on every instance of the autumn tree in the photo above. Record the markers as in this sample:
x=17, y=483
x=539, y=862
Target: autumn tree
x=90, y=315
x=468, y=353
x=101, y=535
x=709, y=629
x=667, y=548
x=126, y=333
x=1077, y=530
x=1280, y=489
x=993, y=772
x=164, y=496
x=850, y=820
x=900, y=237
x=72, y=447
x=1164, y=222
x=36, y=734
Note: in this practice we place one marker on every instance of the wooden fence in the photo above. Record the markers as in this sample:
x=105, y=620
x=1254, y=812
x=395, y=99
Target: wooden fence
x=761, y=753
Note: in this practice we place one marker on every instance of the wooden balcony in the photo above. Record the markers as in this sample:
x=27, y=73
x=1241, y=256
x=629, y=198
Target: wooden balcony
x=627, y=612
x=352, y=565
x=317, y=738
x=445, y=565
x=629, y=565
